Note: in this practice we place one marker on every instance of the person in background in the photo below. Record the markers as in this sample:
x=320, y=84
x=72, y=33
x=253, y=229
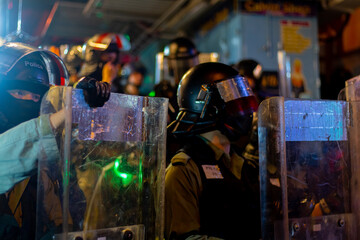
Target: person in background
x=211, y=192
x=252, y=70
x=101, y=56
x=73, y=62
x=26, y=74
x=179, y=56
x=134, y=81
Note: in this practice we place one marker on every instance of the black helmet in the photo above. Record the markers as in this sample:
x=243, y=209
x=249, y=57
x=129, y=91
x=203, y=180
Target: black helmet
x=250, y=69
x=180, y=55
x=213, y=96
x=26, y=73
x=25, y=63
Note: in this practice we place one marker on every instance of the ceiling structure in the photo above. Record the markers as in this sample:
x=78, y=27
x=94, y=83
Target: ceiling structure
x=73, y=21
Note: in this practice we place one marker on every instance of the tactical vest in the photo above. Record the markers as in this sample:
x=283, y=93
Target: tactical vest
x=229, y=207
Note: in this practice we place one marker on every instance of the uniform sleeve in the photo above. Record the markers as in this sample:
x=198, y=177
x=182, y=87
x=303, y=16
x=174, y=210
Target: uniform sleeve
x=182, y=192
x=20, y=148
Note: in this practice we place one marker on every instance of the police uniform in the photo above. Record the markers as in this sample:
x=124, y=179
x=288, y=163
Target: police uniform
x=211, y=193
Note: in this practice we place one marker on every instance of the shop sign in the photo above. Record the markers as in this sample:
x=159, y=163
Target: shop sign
x=278, y=8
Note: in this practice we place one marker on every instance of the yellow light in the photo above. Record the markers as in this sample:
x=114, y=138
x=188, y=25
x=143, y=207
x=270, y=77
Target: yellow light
x=98, y=45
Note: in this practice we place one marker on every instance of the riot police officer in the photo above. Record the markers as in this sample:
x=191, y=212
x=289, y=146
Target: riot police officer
x=26, y=73
x=101, y=56
x=210, y=190
x=179, y=56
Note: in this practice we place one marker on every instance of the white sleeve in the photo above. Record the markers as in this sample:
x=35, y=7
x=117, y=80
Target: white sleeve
x=20, y=148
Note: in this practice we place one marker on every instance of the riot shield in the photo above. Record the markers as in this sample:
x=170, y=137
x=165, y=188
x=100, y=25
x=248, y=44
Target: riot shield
x=308, y=171
x=352, y=89
x=162, y=69
x=352, y=93
x=107, y=181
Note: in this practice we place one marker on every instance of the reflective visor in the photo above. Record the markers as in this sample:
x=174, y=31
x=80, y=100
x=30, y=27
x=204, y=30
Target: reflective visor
x=236, y=93
x=234, y=88
x=242, y=106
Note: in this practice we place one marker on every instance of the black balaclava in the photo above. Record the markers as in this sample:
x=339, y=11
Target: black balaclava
x=29, y=74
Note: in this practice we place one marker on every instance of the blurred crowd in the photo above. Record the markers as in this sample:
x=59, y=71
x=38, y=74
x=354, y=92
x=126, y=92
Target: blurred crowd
x=105, y=57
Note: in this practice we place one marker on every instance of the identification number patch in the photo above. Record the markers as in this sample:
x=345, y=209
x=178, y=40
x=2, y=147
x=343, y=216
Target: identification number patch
x=212, y=172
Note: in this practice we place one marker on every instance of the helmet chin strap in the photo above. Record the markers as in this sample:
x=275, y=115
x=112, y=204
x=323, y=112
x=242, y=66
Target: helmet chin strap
x=194, y=127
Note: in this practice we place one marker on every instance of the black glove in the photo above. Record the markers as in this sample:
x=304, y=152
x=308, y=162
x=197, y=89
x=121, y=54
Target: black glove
x=96, y=93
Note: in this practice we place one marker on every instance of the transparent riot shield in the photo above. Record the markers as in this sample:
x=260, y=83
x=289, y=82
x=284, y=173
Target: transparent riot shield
x=162, y=69
x=308, y=173
x=352, y=92
x=352, y=89
x=106, y=180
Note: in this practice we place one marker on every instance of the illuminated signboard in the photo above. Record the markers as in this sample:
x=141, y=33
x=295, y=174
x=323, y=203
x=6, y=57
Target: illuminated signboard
x=278, y=8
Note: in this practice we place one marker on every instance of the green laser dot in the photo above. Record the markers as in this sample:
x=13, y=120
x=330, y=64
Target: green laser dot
x=152, y=94
x=123, y=175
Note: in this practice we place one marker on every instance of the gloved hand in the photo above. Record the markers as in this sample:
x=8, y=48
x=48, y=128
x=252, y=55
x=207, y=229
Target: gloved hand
x=96, y=93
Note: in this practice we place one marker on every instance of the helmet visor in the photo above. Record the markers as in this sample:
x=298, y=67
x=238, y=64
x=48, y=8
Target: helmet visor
x=178, y=67
x=235, y=92
x=237, y=95
x=234, y=88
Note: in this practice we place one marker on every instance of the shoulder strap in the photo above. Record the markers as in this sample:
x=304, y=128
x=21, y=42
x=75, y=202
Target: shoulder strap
x=181, y=158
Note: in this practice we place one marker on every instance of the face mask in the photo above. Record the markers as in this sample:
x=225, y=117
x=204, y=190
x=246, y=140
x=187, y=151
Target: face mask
x=16, y=111
x=236, y=125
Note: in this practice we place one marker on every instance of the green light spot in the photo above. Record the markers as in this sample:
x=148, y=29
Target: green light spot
x=123, y=175
x=99, y=4
x=152, y=94
x=99, y=15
